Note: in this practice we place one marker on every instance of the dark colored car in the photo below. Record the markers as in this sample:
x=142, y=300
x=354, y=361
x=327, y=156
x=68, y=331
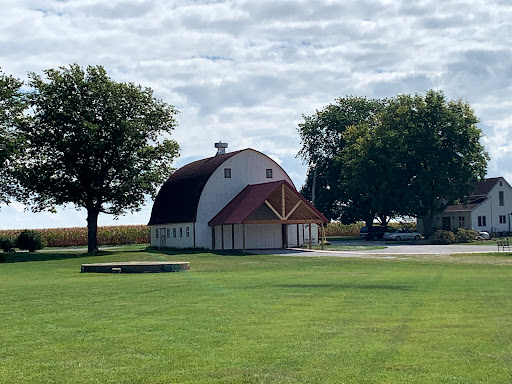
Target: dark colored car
x=373, y=233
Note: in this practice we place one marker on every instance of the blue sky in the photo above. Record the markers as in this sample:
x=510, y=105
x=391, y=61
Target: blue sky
x=245, y=72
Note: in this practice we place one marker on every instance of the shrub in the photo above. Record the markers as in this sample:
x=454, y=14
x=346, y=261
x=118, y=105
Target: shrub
x=442, y=237
x=6, y=243
x=465, y=235
x=30, y=240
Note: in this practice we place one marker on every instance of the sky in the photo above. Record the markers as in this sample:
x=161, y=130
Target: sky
x=245, y=72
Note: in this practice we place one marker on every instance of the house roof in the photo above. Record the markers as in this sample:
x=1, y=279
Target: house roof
x=484, y=187
x=479, y=194
x=285, y=203
x=178, y=198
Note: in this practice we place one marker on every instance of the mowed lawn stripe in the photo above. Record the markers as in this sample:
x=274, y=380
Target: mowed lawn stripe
x=255, y=319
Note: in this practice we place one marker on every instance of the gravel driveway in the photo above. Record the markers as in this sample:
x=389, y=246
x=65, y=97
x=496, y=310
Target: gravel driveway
x=392, y=249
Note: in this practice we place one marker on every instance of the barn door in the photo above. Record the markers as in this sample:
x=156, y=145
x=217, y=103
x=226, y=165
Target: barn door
x=163, y=242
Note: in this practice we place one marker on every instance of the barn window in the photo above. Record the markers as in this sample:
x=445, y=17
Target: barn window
x=174, y=232
x=227, y=173
x=502, y=198
x=482, y=221
x=269, y=173
x=462, y=222
x=181, y=232
x=187, y=231
x=168, y=232
x=503, y=219
x=156, y=233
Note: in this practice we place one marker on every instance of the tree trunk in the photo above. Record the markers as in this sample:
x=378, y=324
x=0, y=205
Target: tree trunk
x=313, y=187
x=92, y=230
x=427, y=225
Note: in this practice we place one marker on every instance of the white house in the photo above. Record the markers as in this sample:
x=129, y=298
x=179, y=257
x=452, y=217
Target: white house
x=235, y=200
x=489, y=209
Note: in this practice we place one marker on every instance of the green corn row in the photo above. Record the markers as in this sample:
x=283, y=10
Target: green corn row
x=339, y=229
x=73, y=237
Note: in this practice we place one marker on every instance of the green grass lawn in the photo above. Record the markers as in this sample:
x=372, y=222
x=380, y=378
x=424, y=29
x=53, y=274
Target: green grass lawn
x=255, y=319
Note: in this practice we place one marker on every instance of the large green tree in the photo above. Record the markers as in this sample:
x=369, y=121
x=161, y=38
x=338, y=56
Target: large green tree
x=436, y=146
x=322, y=143
x=94, y=143
x=407, y=157
x=12, y=105
x=371, y=177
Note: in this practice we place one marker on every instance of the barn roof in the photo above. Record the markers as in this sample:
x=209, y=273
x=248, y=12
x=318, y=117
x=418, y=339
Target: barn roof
x=178, y=198
x=286, y=205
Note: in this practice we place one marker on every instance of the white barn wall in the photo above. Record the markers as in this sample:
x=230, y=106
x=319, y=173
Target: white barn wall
x=258, y=236
x=171, y=241
x=247, y=167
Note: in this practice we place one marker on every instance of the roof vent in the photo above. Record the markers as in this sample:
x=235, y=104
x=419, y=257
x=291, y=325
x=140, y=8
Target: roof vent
x=221, y=148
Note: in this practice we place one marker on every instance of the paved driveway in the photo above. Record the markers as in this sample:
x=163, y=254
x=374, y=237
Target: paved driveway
x=392, y=249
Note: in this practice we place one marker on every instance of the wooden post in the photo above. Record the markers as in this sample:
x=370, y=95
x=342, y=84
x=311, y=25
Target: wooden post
x=298, y=236
x=243, y=236
x=283, y=208
x=323, y=237
x=310, y=236
x=303, y=235
x=233, y=236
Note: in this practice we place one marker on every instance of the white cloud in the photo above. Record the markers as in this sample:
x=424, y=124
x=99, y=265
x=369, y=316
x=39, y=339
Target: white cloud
x=245, y=71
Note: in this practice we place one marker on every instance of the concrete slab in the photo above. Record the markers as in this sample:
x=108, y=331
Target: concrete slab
x=137, y=267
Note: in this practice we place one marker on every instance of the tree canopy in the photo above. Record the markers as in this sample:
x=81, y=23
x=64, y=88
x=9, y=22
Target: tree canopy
x=95, y=143
x=322, y=138
x=409, y=158
x=12, y=105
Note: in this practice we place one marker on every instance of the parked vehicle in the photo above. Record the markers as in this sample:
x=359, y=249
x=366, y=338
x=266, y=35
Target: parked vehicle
x=402, y=234
x=373, y=233
x=484, y=235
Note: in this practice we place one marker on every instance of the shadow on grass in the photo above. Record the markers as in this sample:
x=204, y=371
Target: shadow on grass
x=195, y=251
x=348, y=286
x=20, y=257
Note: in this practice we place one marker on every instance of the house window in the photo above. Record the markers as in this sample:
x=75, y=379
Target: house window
x=502, y=199
x=501, y=183
x=227, y=173
x=187, y=231
x=156, y=233
x=174, y=232
x=268, y=172
x=503, y=219
x=482, y=221
x=181, y=232
x=168, y=232
x=462, y=222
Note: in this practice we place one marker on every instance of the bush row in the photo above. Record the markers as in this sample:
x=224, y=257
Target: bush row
x=73, y=237
x=448, y=237
x=29, y=240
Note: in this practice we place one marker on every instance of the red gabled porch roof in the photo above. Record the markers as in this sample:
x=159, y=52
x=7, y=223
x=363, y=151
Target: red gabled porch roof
x=287, y=204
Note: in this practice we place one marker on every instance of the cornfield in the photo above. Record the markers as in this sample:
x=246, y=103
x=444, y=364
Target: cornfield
x=74, y=237
x=339, y=229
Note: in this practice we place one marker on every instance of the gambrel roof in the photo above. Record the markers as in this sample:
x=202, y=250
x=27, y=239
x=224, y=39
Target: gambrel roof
x=178, y=198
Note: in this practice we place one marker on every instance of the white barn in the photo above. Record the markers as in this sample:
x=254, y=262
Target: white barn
x=236, y=200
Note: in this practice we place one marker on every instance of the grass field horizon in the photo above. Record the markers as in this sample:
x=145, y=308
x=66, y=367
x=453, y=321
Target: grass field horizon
x=237, y=318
